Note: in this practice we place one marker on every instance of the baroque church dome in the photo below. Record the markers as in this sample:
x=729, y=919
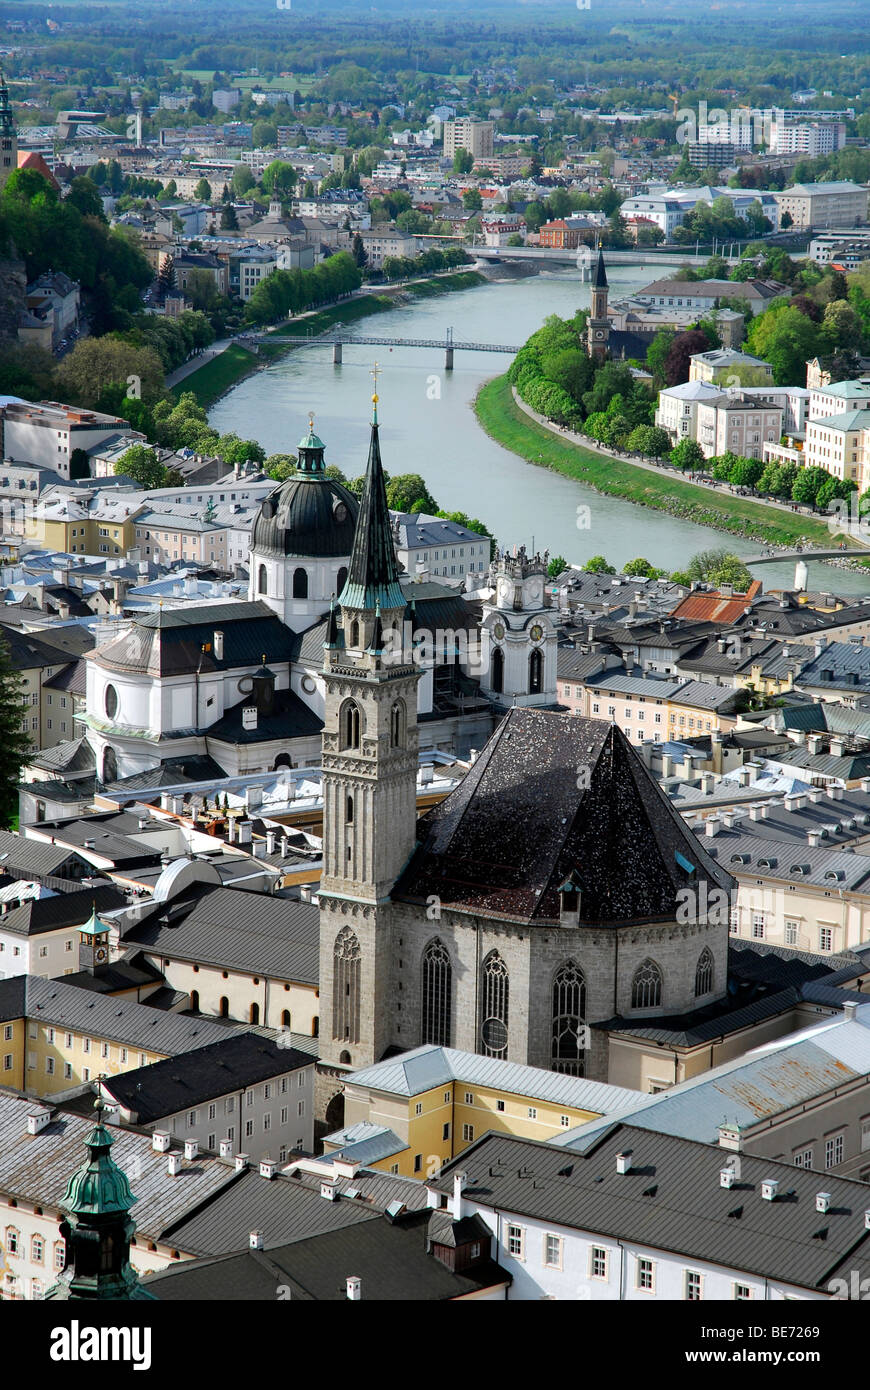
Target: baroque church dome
x=309, y=514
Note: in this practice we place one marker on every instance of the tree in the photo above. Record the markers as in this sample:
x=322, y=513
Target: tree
x=720, y=567
x=280, y=467
x=96, y=363
x=358, y=251
x=807, y=483
x=683, y=348
x=142, y=465
x=202, y=192
x=79, y=464
x=242, y=180
x=84, y=195
x=687, y=455
x=279, y=179
x=263, y=135
x=785, y=221
x=229, y=220
x=557, y=566
x=408, y=492
x=463, y=162
x=786, y=339
x=15, y=746
x=471, y=200
x=598, y=565
x=642, y=568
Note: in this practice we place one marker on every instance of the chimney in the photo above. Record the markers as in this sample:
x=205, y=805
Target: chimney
x=173, y=1165
x=730, y=1137
x=328, y=1189
x=244, y=831
x=271, y=838
x=823, y=1202
x=255, y=1240
x=191, y=1148
x=726, y=1177
x=37, y=1121
x=241, y=1161
x=708, y=782
x=249, y=716
x=218, y=645
x=850, y=1008
x=838, y=746
x=865, y=784
x=769, y=1189
x=814, y=838
x=623, y=1162
x=712, y=826
x=305, y=892
x=160, y=1141
x=284, y=846
x=354, y=1287
x=743, y=777
x=755, y=813
x=835, y=793
x=226, y=1148
x=459, y=1182
x=268, y=1168
x=667, y=766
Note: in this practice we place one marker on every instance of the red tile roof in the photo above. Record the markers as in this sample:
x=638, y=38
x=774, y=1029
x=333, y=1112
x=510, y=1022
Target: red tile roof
x=715, y=607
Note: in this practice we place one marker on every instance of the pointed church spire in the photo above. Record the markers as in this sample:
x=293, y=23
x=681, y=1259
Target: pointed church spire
x=599, y=277
x=373, y=575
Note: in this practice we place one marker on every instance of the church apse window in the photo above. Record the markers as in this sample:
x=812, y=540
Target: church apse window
x=494, y=1010
x=569, y=1011
x=346, y=986
x=646, y=987
x=397, y=725
x=437, y=983
x=300, y=583
x=350, y=725
x=262, y=580
x=704, y=973
x=536, y=672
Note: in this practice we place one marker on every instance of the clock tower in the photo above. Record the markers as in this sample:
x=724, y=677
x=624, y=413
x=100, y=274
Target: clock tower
x=518, y=638
x=93, y=943
x=598, y=327
x=8, y=134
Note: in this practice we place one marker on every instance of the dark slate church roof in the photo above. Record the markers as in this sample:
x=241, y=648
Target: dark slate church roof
x=518, y=826
x=173, y=642
x=309, y=514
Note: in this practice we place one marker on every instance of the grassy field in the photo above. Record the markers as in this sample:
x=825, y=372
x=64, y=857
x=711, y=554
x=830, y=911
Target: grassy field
x=218, y=375
x=504, y=422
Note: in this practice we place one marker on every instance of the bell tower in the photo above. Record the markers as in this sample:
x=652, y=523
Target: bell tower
x=369, y=783
x=8, y=134
x=598, y=327
x=93, y=943
x=517, y=635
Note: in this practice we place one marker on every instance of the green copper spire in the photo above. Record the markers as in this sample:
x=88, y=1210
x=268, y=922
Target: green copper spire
x=310, y=462
x=98, y=1229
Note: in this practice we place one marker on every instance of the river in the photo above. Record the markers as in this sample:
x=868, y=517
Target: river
x=428, y=427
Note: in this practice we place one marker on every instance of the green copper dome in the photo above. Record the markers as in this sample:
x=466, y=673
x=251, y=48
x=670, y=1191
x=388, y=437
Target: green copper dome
x=311, y=441
x=99, y=1186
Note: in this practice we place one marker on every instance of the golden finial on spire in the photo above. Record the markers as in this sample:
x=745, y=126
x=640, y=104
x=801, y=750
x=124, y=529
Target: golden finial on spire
x=311, y=422
x=375, y=373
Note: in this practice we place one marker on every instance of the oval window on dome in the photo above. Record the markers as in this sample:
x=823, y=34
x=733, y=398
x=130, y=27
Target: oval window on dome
x=111, y=701
x=339, y=511
x=308, y=685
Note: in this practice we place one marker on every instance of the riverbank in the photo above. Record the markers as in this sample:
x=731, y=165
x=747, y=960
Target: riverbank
x=224, y=371
x=501, y=418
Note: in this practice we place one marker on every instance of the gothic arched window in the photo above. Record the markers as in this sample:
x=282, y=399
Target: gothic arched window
x=497, y=670
x=536, y=672
x=437, y=982
x=354, y=633
x=300, y=583
x=494, y=1007
x=262, y=580
x=646, y=987
x=569, y=1011
x=346, y=956
x=397, y=725
x=349, y=721
x=704, y=973
x=348, y=811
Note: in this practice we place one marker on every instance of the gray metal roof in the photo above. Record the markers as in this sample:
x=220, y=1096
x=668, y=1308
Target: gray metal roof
x=425, y=1067
x=258, y=933
x=754, y=1088
x=744, y=854
x=118, y=1020
x=35, y=1168
x=672, y=1200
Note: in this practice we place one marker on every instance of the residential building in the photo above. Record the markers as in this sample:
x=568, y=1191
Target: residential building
x=739, y=422
x=834, y=204
x=429, y=545
x=48, y=434
x=248, y=1093
x=464, y=133
x=647, y=708
x=424, y=1107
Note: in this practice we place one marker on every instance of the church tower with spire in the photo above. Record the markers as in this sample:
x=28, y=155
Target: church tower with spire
x=8, y=134
x=369, y=783
x=598, y=327
x=97, y=1227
